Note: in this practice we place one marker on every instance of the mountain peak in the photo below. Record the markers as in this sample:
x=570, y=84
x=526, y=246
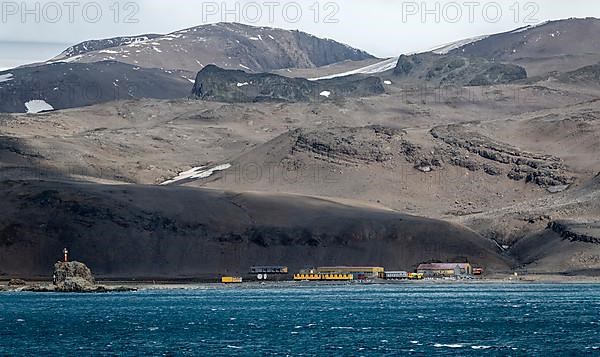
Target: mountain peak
x=229, y=45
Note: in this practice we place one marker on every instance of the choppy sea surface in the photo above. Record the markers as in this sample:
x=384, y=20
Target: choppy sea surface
x=346, y=320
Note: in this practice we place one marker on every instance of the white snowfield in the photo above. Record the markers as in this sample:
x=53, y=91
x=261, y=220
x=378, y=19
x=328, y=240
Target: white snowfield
x=197, y=173
x=325, y=94
x=112, y=52
x=64, y=60
x=523, y=29
x=37, y=106
x=445, y=49
x=378, y=67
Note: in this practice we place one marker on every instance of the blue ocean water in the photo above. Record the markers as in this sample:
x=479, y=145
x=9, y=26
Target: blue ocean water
x=303, y=320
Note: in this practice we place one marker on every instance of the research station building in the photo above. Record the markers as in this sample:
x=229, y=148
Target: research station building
x=445, y=269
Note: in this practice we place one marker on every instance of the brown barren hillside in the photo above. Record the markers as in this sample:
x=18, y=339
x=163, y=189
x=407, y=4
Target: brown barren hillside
x=171, y=232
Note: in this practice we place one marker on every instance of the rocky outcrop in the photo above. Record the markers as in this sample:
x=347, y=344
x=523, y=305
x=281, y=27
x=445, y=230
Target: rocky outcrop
x=544, y=170
x=17, y=282
x=454, y=145
x=453, y=70
x=587, y=74
x=69, y=277
x=370, y=144
x=73, y=277
x=234, y=86
x=576, y=231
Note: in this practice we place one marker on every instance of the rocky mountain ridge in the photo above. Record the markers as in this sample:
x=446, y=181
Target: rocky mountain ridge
x=227, y=45
x=236, y=86
x=456, y=70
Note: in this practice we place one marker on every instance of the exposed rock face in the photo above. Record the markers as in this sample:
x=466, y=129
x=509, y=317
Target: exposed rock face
x=214, y=83
x=576, y=231
x=543, y=170
x=375, y=143
x=456, y=70
x=73, y=277
x=587, y=74
x=369, y=144
x=565, y=246
x=458, y=146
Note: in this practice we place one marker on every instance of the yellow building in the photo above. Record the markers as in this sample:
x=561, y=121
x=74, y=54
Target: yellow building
x=356, y=272
x=231, y=280
x=322, y=277
x=415, y=276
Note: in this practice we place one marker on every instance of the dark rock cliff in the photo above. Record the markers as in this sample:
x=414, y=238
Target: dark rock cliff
x=456, y=70
x=214, y=83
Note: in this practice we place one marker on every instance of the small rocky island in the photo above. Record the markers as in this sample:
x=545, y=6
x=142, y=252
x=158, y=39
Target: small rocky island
x=68, y=277
x=77, y=277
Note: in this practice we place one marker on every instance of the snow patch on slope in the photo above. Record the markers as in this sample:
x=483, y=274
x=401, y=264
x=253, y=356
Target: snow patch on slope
x=37, y=106
x=197, y=173
x=6, y=77
x=64, y=60
x=445, y=49
x=378, y=67
x=523, y=29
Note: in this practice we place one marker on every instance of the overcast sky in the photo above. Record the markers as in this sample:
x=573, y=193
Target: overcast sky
x=383, y=27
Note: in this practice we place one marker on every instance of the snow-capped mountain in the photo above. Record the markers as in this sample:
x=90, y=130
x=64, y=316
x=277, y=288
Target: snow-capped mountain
x=228, y=45
x=562, y=45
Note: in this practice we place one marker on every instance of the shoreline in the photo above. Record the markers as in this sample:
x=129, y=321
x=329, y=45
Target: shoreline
x=116, y=285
